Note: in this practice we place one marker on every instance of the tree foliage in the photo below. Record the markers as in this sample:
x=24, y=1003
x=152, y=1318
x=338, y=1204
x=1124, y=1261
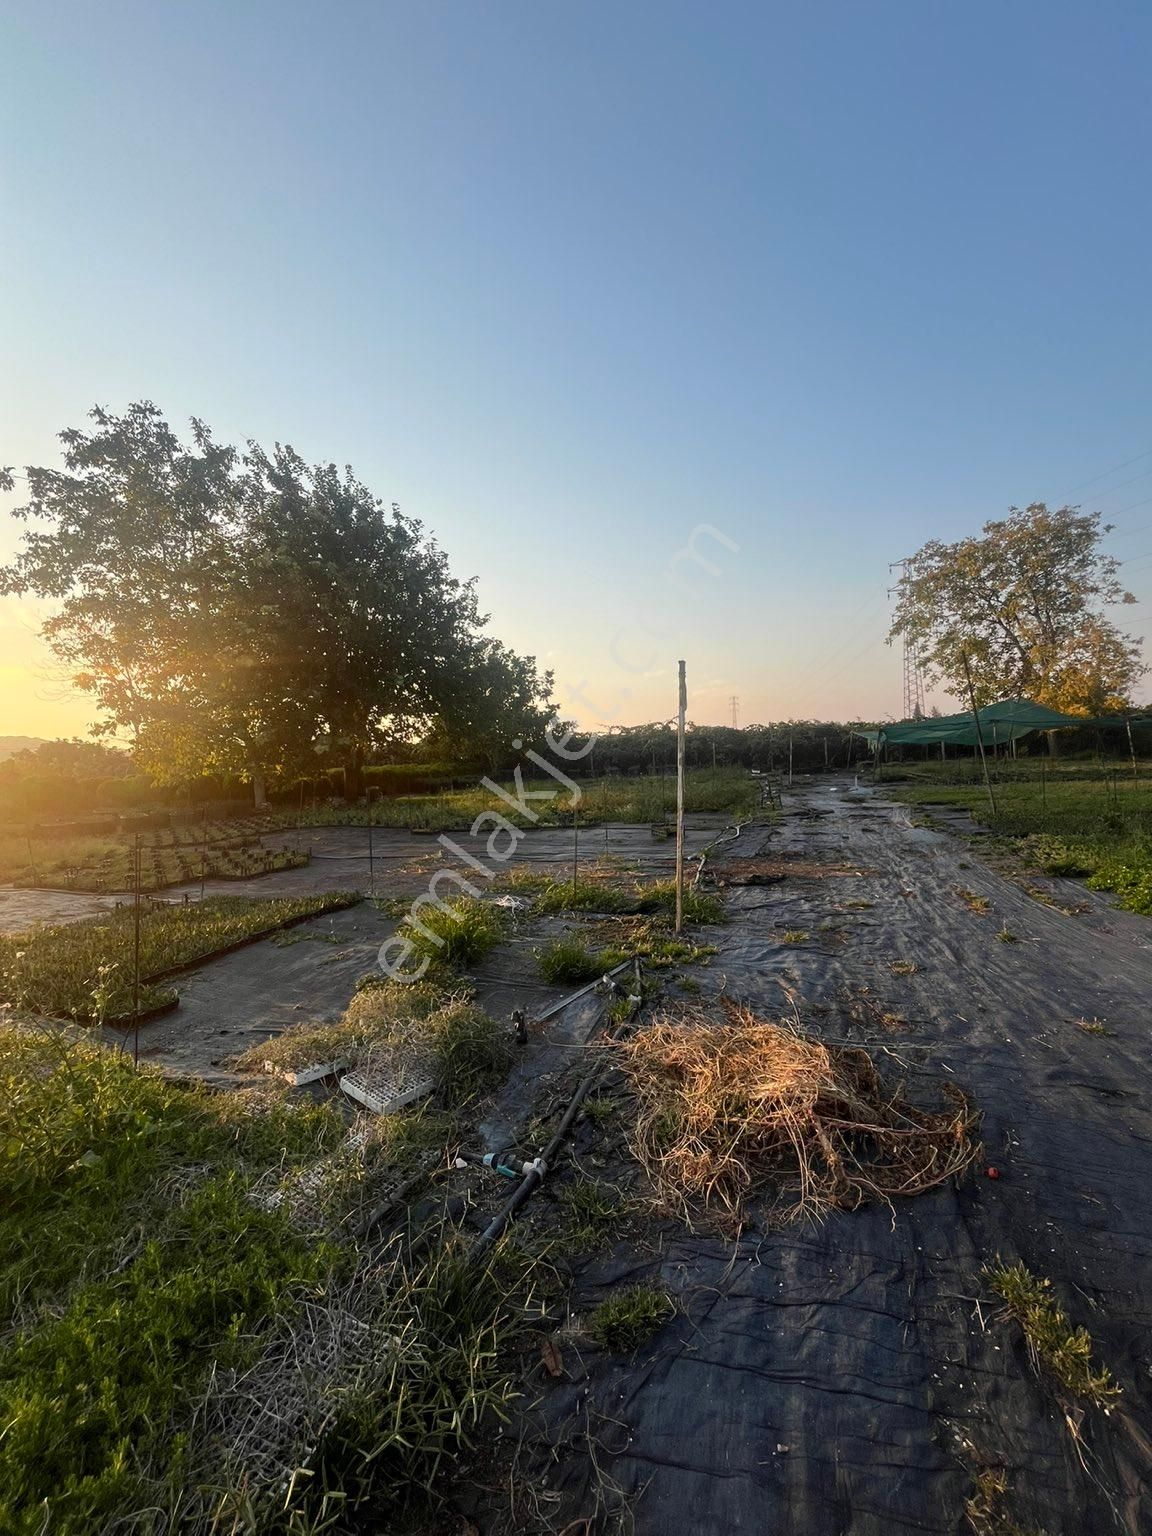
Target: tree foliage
x=1024, y=602
x=247, y=612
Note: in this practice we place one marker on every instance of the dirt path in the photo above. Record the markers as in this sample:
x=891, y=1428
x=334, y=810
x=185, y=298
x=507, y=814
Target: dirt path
x=853, y=1376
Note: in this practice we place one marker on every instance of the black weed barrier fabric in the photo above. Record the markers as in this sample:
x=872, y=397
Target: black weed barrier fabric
x=857, y=1375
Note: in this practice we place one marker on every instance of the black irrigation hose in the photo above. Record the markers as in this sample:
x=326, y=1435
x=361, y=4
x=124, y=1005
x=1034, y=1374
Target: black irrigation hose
x=535, y=1175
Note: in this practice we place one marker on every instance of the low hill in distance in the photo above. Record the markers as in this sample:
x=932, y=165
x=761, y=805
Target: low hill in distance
x=10, y=745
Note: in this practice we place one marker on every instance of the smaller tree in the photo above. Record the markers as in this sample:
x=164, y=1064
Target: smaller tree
x=1024, y=604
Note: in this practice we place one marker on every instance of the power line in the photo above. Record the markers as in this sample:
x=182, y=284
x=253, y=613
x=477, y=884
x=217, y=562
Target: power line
x=1147, y=454
x=1112, y=489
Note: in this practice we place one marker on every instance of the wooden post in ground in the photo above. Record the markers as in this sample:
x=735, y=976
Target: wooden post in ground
x=136, y=956
x=683, y=706
x=1132, y=752
x=979, y=732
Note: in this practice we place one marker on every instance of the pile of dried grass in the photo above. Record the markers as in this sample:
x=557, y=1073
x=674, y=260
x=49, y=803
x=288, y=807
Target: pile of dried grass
x=725, y=1107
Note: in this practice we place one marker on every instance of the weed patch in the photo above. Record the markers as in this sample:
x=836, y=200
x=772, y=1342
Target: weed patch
x=456, y=936
x=697, y=906
x=630, y=1318
x=593, y=1210
x=468, y=1052
x=1051, y=1339
x=84, y=970
x=568, y=962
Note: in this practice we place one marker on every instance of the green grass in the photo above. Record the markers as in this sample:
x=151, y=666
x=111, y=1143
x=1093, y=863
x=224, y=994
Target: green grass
x=659, y=896
x=568, y=962
x=457, y=935
x=593, y=1212
x=648, y=798
x=137, y=1270
x=84, y=970
x=132, y=1260
x=578, y=896
x=468, y=1051
x=1068, y=824
x=630, y=1317
x=1052, y=1341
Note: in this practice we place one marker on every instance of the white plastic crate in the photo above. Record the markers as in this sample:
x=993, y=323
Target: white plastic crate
x=390, y=1083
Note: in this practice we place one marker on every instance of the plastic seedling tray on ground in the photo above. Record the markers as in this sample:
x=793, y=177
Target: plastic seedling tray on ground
x=390, y=1083
x=298, y=1076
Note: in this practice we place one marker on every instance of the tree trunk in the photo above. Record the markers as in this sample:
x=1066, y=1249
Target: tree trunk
x=354, y=775
x=259, y=793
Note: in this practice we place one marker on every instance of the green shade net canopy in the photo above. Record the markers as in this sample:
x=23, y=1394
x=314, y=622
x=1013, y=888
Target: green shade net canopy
x=999, y=723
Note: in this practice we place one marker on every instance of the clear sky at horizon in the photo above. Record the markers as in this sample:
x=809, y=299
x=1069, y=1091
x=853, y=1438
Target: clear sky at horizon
x=568, y=281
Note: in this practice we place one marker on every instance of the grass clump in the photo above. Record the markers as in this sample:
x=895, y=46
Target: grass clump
x=578, y=896
x=659, y=896
x=466, y=1051
x=434, y=1376
x=630, y=1317
x=456, y=935
x=569, y=962
x=1051, y=1339
x=985, y=1506
x=973, y=900
x=725, y=1106
x=592, y=1210
x=84, y=970
x=795, y=936
x=903, y=967
x=1006, y=936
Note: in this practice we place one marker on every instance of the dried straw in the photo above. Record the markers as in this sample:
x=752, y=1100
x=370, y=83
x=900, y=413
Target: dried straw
x=725, y=1107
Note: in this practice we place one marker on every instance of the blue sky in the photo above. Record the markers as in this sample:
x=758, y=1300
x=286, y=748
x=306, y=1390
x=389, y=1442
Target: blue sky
x=567, y=281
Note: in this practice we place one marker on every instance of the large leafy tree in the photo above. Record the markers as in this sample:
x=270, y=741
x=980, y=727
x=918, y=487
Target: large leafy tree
x=240, y=612
x=496, y=699
x=1025, y=602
